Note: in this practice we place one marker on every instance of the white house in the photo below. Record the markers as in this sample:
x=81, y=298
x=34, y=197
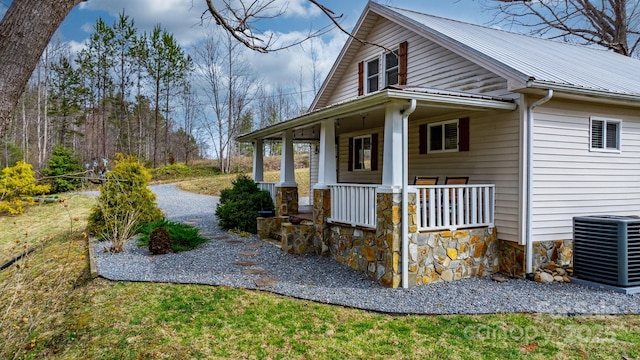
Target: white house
x=544, y=131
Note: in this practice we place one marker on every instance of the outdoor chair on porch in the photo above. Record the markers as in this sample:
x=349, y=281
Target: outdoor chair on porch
x=425, y=180
x=456, y=180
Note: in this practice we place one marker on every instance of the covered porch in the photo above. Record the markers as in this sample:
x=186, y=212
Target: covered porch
x=366, y=210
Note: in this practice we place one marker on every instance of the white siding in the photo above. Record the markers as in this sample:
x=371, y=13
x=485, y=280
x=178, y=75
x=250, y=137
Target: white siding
x=357, y=176
x=569, y=180
x=429, y=65
x=493, y=158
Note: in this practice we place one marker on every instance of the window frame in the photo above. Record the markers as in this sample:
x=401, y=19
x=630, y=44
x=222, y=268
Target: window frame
x=355, y=153
x=368, y=76
x=605, y=122
x=383, y=71
x=442, y=124
x=387, y=70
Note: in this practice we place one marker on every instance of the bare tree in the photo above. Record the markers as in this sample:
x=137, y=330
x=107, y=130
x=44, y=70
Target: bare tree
x=228, y=86
x=612, y=24
x=19, y=54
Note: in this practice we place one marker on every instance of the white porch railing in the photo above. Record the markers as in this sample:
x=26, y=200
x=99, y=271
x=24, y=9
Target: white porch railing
x=442, y=207
x=353, y=204
x=270, y=187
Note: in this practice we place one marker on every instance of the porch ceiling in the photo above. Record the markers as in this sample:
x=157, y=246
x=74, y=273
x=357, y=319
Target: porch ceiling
x=369, y=111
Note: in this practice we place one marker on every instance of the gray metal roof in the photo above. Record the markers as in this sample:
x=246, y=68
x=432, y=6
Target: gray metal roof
x=528, y=58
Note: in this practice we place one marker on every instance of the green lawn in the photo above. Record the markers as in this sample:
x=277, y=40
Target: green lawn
x=50, y=308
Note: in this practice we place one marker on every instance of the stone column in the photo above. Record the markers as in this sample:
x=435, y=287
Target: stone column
x=287, y=189
x=321, y=212
x=389, y=237
x=389, y=199
x=321, y=193
x=258, y=161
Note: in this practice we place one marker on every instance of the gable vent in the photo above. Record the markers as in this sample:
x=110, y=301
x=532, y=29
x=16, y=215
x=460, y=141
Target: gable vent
x=606, y=249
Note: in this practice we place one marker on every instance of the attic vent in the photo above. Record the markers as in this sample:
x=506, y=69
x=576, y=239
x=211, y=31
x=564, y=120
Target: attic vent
x=606, y=249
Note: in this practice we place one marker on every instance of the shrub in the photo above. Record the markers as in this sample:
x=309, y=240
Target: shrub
x=125, y=202
x=62, y=166
x=183, y=237
x=18, y=185
x=239, y=206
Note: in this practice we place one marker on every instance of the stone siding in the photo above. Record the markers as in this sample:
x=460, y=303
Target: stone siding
x=286, y=201
x=512, y=256
x=270, y=228
x=298, y=239
x=452, y=255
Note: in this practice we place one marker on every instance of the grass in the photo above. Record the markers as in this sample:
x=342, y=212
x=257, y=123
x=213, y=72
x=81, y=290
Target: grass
x=49, y=308
x=20, y=232
x=213, y=185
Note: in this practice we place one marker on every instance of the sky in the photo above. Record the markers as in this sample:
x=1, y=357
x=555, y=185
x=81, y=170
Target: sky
x=289, y=68
x=183, y=19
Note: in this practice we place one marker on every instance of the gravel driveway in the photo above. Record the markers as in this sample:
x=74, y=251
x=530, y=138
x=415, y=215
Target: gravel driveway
x=253, y=264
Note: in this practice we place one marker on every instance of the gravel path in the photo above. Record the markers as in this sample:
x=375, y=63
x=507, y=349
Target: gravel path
x=253, y=264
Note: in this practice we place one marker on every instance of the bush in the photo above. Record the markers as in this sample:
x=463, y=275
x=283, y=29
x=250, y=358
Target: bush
x=63, y=162
x=183, y=237
x=239, y=206
x=124, y=203
x=18, y=185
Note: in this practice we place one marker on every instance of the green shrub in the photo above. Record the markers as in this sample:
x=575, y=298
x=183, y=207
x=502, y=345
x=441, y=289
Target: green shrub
x=18, y=185
x=184, y=237
x=64, y=168
x=125, y=202
x=239, y=206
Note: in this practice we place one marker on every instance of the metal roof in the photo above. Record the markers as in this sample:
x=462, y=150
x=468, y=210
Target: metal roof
x=533, y=61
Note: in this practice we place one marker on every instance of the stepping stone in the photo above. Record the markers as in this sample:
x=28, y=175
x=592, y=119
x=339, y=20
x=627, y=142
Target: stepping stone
x=248, y=253
x=233, y=241
x=499, y=278
x=254, y=246
x=247, y=263
x=266, y=281
x=254, y=271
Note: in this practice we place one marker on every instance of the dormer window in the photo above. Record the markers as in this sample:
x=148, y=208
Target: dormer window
x=376, y=82
x=388, y=69
x=391, y=68
x=373, y=75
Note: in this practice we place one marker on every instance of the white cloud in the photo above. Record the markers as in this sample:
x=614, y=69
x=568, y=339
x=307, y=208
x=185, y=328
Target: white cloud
x=179, y=17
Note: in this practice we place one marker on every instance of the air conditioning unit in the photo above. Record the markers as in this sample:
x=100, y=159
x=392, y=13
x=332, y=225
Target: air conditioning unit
x=606, y=249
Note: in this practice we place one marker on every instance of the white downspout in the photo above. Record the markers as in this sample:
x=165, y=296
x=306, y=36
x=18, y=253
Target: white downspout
x=405, y=193
x=529, y=219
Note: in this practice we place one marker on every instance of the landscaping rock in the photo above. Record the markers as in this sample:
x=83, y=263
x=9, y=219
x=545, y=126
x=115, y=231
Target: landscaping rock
x=160, y=242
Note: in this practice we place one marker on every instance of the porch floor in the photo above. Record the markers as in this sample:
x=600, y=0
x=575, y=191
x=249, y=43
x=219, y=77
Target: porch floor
x=305, y=212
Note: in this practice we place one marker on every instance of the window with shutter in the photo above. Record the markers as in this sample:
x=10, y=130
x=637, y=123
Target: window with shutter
x=445, y=136
x=605, y=134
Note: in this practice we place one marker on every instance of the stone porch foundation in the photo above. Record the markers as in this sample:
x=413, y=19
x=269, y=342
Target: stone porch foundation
x=286, y=201
x=432, y=256
x=512, y=256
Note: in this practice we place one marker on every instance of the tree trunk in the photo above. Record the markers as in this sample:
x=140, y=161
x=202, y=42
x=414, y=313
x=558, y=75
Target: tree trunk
x=25, y=31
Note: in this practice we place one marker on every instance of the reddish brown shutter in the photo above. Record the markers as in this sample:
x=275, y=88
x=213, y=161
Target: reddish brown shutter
x=350, y=160
x=463, y=134
x=402, y=66
x=374, y=152
x=361, y=78
x=422, y=133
